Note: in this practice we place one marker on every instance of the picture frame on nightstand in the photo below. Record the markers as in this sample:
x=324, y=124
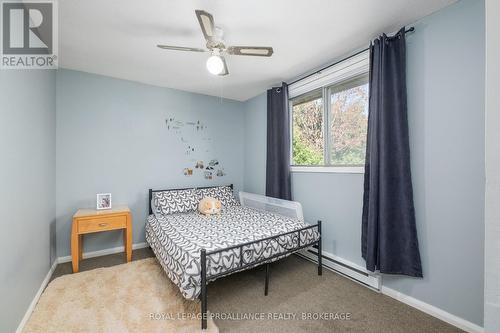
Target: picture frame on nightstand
x=103, y=201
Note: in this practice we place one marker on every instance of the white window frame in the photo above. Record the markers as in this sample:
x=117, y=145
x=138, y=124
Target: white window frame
x=345, y=70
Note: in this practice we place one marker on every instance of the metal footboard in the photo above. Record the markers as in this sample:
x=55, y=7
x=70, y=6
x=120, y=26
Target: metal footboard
x=242, y=266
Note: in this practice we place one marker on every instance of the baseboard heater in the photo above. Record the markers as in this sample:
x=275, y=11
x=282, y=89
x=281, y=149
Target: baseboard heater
x=344, y=267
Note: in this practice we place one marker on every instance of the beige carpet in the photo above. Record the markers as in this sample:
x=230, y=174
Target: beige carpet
x=133, y=297
x=295, y=288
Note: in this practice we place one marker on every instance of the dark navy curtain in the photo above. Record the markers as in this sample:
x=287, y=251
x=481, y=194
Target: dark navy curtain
x=389, y=236
x=278, y=144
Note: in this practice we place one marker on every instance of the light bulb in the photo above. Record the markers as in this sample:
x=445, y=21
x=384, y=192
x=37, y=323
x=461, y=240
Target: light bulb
x=215, y=65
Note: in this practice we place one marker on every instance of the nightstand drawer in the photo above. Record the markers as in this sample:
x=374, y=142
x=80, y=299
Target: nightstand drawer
x=101, y=224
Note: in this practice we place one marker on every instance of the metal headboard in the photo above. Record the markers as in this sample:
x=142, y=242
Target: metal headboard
x=151, y=191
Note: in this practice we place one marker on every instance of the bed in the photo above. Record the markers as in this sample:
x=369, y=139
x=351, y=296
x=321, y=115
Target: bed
x=195, y=250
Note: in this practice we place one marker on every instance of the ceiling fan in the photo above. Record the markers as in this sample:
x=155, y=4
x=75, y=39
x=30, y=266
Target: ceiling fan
x=216, y=63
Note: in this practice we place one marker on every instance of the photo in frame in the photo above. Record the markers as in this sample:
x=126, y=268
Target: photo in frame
x=103, y=201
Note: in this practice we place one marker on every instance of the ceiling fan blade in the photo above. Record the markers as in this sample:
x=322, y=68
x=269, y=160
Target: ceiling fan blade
x=180, y=48
x=206, y=23
x=225, y=71
x=259, y=51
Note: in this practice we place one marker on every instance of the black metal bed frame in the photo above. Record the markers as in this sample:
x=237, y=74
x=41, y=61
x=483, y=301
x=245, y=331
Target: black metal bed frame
x=242, y=266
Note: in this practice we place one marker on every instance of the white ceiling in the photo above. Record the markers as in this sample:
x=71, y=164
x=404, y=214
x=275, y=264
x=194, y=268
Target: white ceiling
x=118, y=38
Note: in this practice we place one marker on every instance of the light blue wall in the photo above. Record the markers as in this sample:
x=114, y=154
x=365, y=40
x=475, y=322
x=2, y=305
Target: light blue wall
x=112, y=137
x=27, y=188
x=255, y=144
x=446, y=117
x=492, y=166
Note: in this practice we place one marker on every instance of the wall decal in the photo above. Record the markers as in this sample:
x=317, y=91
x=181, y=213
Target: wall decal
x=198, y=147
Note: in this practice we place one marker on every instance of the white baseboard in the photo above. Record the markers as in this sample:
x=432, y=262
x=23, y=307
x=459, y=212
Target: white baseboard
x=104, y=252
x=27, y=315
x=433, y=311
x=61, y=260
x=347, y=268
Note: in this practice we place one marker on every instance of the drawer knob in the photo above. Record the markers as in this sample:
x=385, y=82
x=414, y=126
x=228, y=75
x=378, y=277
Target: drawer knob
x=103, y=224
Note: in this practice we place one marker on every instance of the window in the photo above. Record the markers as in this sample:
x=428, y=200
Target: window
x=330, y=119
x=308, y=141
x=348, y=122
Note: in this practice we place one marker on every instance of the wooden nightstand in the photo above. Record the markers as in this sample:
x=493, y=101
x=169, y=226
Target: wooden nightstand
x=87, y=221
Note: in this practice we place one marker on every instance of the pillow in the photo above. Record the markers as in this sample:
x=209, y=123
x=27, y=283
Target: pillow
x=222, y=193
x=175, y=201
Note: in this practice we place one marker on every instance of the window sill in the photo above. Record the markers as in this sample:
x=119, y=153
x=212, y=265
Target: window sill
x=327, y=169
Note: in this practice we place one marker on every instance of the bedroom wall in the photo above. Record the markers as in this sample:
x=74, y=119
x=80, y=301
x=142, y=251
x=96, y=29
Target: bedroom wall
x=27, y=196
x=255, y=144
x=446, y=85
x=112, y=137
x=445, y=72
x=492, y=213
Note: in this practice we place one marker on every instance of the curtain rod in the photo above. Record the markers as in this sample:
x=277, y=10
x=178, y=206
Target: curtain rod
x=411, y=29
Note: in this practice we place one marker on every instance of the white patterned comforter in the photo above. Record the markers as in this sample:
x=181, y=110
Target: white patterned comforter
x=177, y=240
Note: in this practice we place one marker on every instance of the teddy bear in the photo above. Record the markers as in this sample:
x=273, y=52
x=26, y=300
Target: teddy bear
x=209, y=206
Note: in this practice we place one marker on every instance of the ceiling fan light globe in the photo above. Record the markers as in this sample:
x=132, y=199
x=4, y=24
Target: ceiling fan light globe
x=215, y=65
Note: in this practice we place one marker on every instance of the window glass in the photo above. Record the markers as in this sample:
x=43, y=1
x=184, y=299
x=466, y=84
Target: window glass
x=348, y=122
x=308, y=142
